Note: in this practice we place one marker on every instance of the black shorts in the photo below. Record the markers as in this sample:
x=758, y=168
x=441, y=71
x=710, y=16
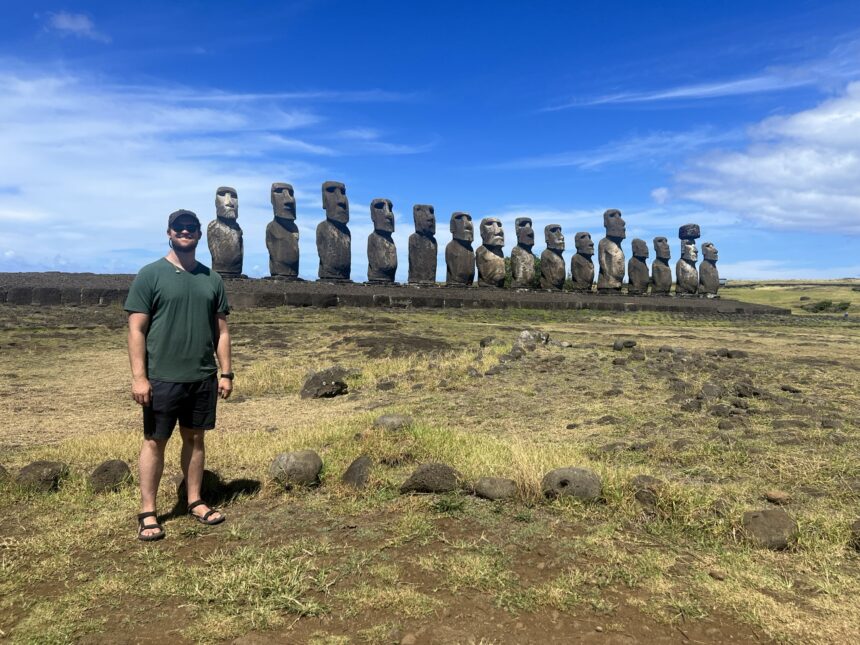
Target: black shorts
x=192, y=404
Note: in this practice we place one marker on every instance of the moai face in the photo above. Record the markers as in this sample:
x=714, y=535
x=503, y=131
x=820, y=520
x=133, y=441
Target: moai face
x=382, y=215
x=525, y=232
x=689, y=251
x=462, y=227
x=283, y=201
x=425, y=219
x=661, y=248
x=226, y=203
x=640, y=249
x=584, y=244
x=335, y=203
x=491, y=232
x=615, y=225
x=554, y=237
x=709, y=252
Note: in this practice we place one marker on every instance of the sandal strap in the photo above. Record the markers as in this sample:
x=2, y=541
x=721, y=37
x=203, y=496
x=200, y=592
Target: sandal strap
x=211, y=511
x=145, y=527
x=141, y=516
x=195, y=504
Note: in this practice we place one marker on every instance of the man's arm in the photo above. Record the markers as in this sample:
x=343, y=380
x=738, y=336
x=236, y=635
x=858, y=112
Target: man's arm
x=222, y=351
x=138, y=324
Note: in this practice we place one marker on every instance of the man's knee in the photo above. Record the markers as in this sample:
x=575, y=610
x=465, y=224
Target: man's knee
x=154, y=445
x=192, y=435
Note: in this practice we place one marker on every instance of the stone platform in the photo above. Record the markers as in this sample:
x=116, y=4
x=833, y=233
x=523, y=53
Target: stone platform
x=88, y=289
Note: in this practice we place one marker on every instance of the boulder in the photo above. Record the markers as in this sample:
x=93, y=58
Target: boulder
x=581, y=483
x=746, y=390
x=710, y=391
x=393, y=422
x=109, y=476
x=325, y=384
x=623, y=343
x=358, y=472
x=432, y=478
x=486, y=341
x=771, y=528
x=42, y=476
x=737, y=353
x=300, y=468
x=495, y=488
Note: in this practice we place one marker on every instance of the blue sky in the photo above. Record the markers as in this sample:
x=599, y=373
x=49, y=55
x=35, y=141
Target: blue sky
x=741, y=116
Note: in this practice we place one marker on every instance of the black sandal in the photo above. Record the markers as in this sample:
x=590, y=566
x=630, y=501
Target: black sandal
x=204, y=519
x=141, y=527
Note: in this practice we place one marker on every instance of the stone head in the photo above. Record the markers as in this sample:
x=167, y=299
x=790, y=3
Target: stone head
x=689, y=251
x=425, y=219
x=462, y=227
x=554, y=237
x=525, y=231
x=226, y=203
x=640, y=248
x=584, y=243
x=491, y=232
x=709, y=252
x=335, y=203
x=661, y=248
x=283, y=201
x=614, y=223
x=382, y=215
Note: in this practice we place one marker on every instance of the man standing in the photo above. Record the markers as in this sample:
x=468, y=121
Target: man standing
x=177, y=323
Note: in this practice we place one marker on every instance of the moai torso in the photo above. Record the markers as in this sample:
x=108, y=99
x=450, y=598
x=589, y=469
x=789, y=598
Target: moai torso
x=709, y=277
x=582, y=272
x=661, y=278
x=552, y=270
x=282, y=240
x=611, y=259
x=460, y=263
x=224, y=236
x=687, y=277
x=491, y=266
x=637, y=274
x=381, y=258
x=423, y=251
x=334, y=247
x=522, y=267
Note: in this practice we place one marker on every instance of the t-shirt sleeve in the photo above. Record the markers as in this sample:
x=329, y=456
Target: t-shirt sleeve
x=140, y=295
x=221, y=304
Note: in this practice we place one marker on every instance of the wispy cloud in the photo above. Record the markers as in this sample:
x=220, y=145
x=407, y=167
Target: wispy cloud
x=73, y=24
x=783, y=270
x=647, y=148
x=842, y=63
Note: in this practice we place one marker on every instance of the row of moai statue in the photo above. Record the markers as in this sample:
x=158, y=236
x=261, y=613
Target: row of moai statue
x=334, y=247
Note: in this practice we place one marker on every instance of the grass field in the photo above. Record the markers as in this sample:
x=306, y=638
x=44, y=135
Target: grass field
x=332, y=565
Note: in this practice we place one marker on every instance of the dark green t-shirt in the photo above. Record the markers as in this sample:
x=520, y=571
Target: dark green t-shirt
x=183, y=326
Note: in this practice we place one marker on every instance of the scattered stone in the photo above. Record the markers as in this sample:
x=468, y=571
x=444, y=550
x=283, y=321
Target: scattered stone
x=681, y=444
x=771, y=528
x=473, y=373
x=710, y=391
x=325, y=384
x=300, y=468
x=790, y=389
x=610, y=448
x=646, y=489
x=42, y=476
x=777, y=496
x=623, y=343
x=581, y=483
x=854, y=540
x=727, y=424
x=571, y=426
x=829, y=423
x=737, y=353
x=496, y=369
x=358, y=472
x=607, y=419
x=486, y=341
x=666, y=349
x=787, y=424
x=716, y=574
x=393, y=422
x=432, y=478
x=740, y=404
x=642, y=446
x=787, y=439
x=619, y=361
x=385, y=386
x=109, y=476
x=637, y=355
x=530, y=339
x=720, y=410
x=746, y=390
x=692, y=405
x=615, y=391
x=722, y=352
x=495, y=488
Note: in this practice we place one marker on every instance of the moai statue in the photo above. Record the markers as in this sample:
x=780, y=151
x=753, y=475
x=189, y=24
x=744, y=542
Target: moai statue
x=459, y=256
x=489, y=256
x=709, y=276
x=381, y=252
x=334, y=241
x=637, y=269
x=522, y=259
x=422, y=246
x=552, y=269
x=686, y=274
x=609, y=253
x=661, y=273
x=224, y=236
x=581, y=264
x=282, y=234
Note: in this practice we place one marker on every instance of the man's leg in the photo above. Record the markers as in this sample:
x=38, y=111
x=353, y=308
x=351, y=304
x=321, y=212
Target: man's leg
x=150, y=465
x=193, y=462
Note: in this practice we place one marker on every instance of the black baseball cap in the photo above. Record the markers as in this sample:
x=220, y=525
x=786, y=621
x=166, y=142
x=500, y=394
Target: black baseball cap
x=175, y=215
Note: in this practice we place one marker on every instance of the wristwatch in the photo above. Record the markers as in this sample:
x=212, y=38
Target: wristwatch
x=228, y=375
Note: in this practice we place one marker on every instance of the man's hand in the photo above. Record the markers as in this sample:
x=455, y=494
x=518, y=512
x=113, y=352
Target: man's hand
x=225, y=387
x=141, y=391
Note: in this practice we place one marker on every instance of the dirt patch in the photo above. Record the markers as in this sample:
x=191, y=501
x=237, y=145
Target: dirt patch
x=394, y=344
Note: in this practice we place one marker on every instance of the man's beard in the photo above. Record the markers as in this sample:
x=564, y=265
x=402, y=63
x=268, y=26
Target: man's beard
x=185, y=249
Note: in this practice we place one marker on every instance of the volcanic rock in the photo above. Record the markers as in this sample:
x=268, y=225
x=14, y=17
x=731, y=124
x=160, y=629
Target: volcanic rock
x=581, y=483
x=495, y=488
x=771, y=528
x=300, y=468
x=432, y=478
x=42, y=476
x=109, y=476
x=358, y=472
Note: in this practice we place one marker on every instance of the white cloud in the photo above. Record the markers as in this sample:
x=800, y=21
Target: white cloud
x=781, y=270
x=799, y=171
x=660, y=195
x=74, y=24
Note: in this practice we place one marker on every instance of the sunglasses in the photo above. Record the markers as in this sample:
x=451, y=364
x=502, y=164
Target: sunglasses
x=178, y=227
